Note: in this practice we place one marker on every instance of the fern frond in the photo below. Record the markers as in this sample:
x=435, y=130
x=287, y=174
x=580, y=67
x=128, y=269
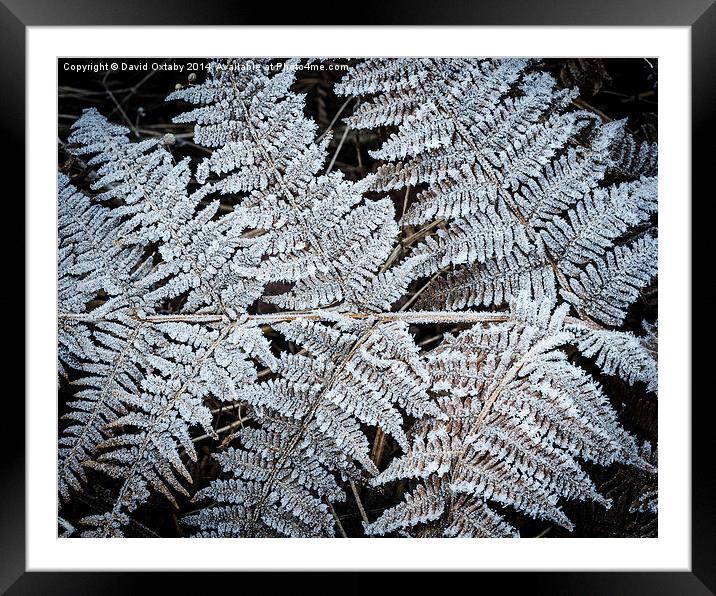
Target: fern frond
x=271, y=491
x=424, y=505
x=319, y=233
x=513, y=172
x=355, y=373
x=597, y=221
x=121, y=351
x=146, y=451
x=606, y=288
x=492, y=282
x=634, y=159
x=620, y=353
x=91, y=260
x=109, y=353
x=518, y=415
x=201, y=256
x=256, y=127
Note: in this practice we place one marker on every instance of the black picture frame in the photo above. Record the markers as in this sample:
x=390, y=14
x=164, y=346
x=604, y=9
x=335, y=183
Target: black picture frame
x=699, y=15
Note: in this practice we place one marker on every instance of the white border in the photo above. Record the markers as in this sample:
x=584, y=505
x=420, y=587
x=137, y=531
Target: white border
x=671, y=550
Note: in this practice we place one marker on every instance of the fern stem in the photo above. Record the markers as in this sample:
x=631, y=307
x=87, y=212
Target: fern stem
x=414, y=317
x=338, y=113
x=411, y=317
x=338, y=149
x=363, y=514
x=337, y=520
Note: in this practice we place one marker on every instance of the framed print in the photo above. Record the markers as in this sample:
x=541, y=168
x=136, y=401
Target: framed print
x=306, y=291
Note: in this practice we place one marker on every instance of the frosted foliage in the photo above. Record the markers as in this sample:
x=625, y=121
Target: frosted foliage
x=606, y=288
x=110, y=353
x=256, y=280
x=91, y=259
x=201, y=256
x=516, y=179
x=492, y=282
x=140, y=389
x=311, y=415
x=634, y=159
x=121, y=349
x=330, y=246
x=621, y=353
x=518, y=414
x=65, y=527
x=424, y=505
x=648, y=498
x=256, y=126
x=271, y=491
x=320, y=233
x=147, y=440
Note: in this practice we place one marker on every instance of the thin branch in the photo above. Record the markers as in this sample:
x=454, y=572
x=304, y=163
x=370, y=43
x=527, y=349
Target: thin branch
x=233, y=425
x=423, y=231
x=359, y=502
x=415, y=296
x=405, y=200
x=580, y=103
x=338, y=149
x=122, y=112
x=376, y=454
x=338, y=113
x=337, y=520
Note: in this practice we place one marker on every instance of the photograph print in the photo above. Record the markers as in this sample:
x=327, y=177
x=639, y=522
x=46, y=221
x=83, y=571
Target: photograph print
x=382, y=297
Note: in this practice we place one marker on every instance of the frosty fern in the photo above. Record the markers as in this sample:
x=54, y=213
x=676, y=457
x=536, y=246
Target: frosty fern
x=531, y=230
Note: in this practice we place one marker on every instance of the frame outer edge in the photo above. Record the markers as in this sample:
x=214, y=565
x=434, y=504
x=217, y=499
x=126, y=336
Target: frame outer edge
x=12, y=129
x=700, y=13
x=703, y=154
x=375, y=12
